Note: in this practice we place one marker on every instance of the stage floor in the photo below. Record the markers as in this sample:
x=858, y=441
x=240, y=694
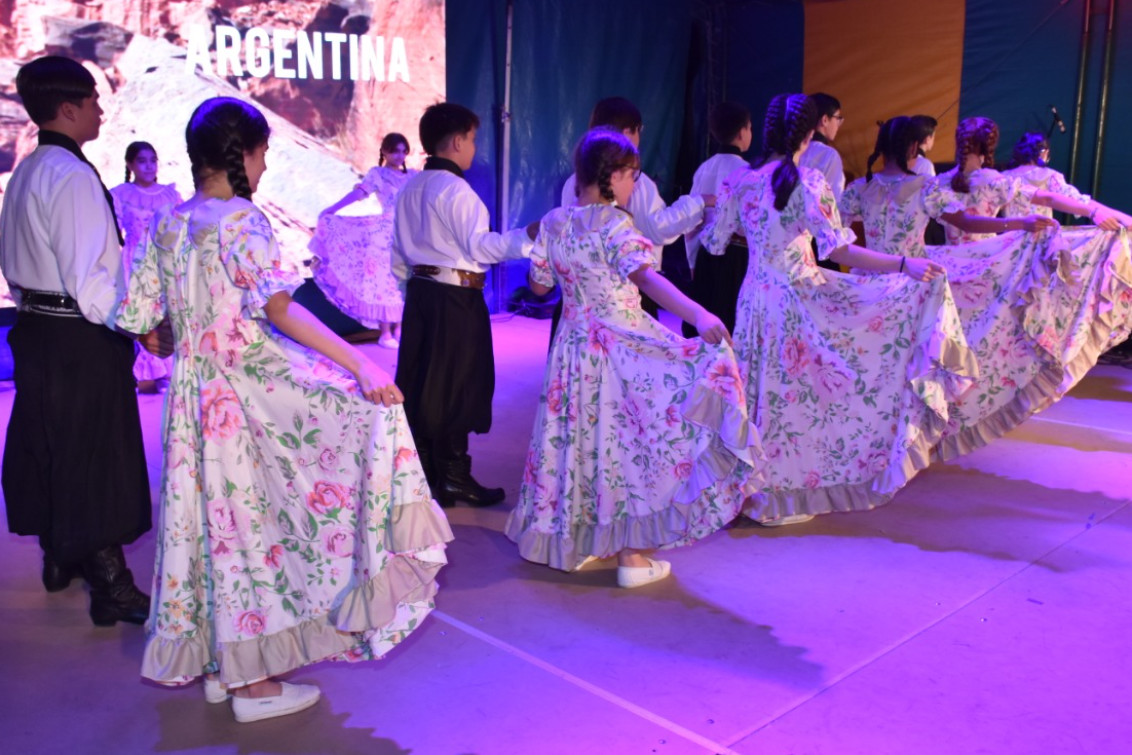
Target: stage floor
x=985, y=610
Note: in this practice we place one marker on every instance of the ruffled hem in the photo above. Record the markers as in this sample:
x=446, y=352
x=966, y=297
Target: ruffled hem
x=373, y=614
x=688, y=517
x=1056, y=377
x=370, y=314
x=954, y=370
x=369, y=620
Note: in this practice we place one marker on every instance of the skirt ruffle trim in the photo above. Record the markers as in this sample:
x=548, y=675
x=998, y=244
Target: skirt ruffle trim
x=341, y=294
x=1055, y=378
x=370, y=620
x=727, y=471
x=952, y=365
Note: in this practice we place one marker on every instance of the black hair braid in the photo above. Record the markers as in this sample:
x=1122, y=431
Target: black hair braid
x=772, y=127
x=878, y=149
x=234, y=166
x=796, y=123
x=605, y=182
x=960, y=182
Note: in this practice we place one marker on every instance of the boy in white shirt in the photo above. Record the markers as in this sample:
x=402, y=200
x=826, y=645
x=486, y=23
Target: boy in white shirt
x=443, y=248
x=74, y=465
x=716, y=280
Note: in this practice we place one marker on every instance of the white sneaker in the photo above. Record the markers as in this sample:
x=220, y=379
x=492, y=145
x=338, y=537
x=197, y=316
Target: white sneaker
x=214, y=691
x=783, y=521
x=292, y=699
x=636, y=576
x=389, y=342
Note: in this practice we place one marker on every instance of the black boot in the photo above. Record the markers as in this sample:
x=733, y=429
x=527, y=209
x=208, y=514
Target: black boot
x=57, y=576
x=113, y=595
x=454, y=469
x=424, y=451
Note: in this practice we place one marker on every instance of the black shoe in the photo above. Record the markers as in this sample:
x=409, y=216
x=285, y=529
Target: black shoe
x=457, y=484
x=57, y=576
x=113, y=595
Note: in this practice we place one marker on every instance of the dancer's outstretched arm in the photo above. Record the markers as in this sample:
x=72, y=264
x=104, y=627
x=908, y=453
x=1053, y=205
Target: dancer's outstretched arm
x=660, y=289
x=861, y=258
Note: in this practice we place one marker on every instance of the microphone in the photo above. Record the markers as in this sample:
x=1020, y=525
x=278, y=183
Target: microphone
x=1057, y=119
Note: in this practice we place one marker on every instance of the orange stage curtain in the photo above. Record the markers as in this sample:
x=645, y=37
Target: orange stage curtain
x=883, y=58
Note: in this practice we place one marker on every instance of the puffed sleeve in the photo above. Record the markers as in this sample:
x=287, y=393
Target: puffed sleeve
x=144, y=304
x=251, y=257
x=625, y=248
x=822, y=218
x=940, y=199
x=1058, y=185
x=850, y=204
x=372, y=181
x=725, y=221
x=541, y=272
x=1004, y=188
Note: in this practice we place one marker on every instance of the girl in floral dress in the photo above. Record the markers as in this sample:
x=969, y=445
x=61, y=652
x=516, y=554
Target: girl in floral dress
x=135, y=203
x=849, y=376
x=355, y=267
x=642, y=438
x=296, y=524
x=1029, y=165
x=1002, y=284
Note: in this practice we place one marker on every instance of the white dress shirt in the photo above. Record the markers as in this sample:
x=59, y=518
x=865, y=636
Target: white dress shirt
x=659, y=223
x=440, y=220
x=826, y=159
x=922, y=166
x=709, y=179
x=57, y=233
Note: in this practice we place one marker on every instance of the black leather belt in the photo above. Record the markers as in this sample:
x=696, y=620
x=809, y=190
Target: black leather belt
x=48, y=301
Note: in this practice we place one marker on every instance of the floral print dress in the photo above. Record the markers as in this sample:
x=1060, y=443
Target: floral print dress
x=296, y=523
x=990, y=192
x=354, y=251
x=642, y=438
x=849, y=376
x=994, y=280
x=135, y=207
x=1046, y=179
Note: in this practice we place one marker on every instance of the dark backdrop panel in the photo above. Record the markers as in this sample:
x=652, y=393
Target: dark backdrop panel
x=1020, y=58
x=764, y=54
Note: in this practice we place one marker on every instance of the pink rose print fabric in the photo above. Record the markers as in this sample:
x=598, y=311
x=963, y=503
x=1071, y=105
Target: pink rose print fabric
x=1035, y=307
x=642, y=438
x=295, y=521
x=849, y=377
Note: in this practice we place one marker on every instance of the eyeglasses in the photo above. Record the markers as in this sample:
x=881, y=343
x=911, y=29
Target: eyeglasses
x=839, y=117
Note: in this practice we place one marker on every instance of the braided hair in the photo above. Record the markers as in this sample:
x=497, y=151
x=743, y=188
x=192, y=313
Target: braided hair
x=391, y=141
x=220, y=132
x=601, y=153
x=975, y=136
x=896, y=138
x=133, y=149
x=799, y=118
x=772, y=128
x=1029, y=149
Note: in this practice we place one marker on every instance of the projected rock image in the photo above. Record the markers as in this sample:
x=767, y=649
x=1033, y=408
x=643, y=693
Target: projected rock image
x=332, y=77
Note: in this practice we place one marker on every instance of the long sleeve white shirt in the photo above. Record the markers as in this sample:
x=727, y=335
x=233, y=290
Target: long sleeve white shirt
x=440, y=220
x=57, y=233
x=709, y=179
x=826, y=159
x=659, y=223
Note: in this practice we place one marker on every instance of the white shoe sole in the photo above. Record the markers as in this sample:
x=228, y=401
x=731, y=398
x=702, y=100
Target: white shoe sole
x=294, y=698
x=785, y=521
x=639, y=576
